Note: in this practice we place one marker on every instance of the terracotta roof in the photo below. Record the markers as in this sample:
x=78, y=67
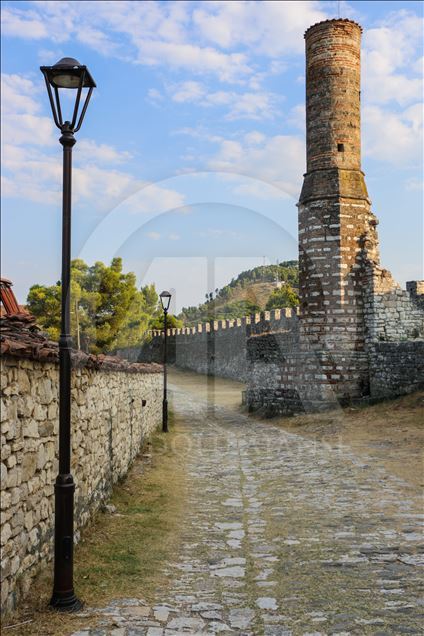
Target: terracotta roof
x=22, y=310
x=20, y=337
x=10, y=306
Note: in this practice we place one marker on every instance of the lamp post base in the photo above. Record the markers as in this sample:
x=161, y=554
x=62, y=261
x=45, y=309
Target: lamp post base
x=65, y=603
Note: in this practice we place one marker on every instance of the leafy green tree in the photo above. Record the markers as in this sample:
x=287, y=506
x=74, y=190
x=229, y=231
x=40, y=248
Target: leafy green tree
x=45, y=302
x=107, y=309
x=151, y=298
x=172, y=322
x=284, y=296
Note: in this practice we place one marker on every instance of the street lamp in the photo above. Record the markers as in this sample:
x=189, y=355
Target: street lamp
x=165, y=299
x=67, y=74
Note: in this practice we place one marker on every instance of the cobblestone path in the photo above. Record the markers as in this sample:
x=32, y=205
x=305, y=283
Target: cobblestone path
x=282, y=535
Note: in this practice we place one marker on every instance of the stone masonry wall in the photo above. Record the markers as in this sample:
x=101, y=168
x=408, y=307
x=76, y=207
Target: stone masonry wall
x=284, y=380
x=392, y=314
x=109, y=426
x=217, y=348
x=396, y=368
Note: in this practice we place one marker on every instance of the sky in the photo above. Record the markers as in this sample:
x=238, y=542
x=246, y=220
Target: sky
x=190, y=159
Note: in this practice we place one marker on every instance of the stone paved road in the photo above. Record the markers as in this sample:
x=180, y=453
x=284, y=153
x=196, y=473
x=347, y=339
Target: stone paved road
x=283, y=535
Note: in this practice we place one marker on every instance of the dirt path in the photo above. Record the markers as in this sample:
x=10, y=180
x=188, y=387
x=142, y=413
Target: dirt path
x=283, y=534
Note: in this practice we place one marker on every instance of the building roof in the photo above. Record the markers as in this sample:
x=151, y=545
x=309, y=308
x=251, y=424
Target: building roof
x=10, y=306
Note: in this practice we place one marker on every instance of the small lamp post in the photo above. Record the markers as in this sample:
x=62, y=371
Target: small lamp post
x=165, y=299
x=70, y=75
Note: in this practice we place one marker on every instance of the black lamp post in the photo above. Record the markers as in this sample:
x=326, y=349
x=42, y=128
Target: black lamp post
x=165, y=299
x=71, y=75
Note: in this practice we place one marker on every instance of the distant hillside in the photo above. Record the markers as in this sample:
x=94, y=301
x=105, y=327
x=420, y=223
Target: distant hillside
x=248, y=293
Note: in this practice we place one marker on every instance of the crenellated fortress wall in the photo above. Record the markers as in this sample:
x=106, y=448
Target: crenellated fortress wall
x=285, y=373
x=216, y=348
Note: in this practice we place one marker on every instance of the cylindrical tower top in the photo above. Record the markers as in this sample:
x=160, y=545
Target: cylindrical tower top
x=333, y=77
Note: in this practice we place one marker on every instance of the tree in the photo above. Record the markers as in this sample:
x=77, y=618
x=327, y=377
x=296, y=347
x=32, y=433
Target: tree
x=284, y=296
x=171, y=322
x=44, y=303
x=105, y=302
x=151, y=298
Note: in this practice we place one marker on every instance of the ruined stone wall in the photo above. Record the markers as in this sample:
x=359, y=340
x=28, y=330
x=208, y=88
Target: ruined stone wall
x=109, y=426
x=415, y=289
x=392, y=314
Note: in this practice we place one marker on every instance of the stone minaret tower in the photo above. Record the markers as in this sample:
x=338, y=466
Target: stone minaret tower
x=335, y=218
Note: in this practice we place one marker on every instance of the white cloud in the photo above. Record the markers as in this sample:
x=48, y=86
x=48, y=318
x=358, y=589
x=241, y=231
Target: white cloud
x=32, y=169
x=257, y=105
x=240, y=105
x=393, y=89
x=224, y=40
x=154, y=95
x=150, y=197
x=156, y=34
x=391, y=60
x=254, y=138
x=211, y=38
x=278, y=161
x=198, y=133
x=155, y=236
x=258, y=190
x=297, y=117
x=18, y=95
x=48, y=57
x=89, y=150
x=414, y=184
x=197, y=59
x=393, y=137
x=27, y=129
x=23, y=24
x=188, y=92
x=271, y=28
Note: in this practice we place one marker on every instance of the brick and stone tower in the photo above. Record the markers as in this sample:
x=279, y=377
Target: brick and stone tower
x=334, y=209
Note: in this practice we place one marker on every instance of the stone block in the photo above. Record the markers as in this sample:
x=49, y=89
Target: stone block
x=30, y=429
x=6, y=533
x=29, y=466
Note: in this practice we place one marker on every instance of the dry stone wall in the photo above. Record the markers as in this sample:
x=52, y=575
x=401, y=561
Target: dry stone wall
x=110, y=424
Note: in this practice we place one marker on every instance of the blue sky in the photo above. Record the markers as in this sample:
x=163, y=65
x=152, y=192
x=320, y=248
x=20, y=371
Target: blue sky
x=190, y=160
